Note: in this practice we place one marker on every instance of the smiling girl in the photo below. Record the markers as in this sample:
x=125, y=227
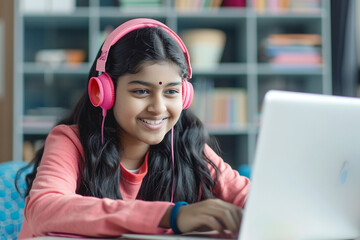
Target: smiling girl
x=133, y=159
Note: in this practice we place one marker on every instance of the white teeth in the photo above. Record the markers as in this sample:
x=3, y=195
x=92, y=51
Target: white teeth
x=152, y=122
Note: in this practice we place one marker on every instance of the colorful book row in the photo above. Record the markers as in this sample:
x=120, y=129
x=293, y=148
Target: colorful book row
x=221, y=107
x=292, y=50
x=278, y=6
x=188, y=5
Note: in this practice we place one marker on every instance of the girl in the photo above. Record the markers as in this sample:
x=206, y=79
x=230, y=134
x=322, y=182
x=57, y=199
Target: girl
x=104, y=178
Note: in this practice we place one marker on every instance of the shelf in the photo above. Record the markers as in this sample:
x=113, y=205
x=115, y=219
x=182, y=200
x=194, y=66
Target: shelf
x=38, y=125
x=272, y=69
x=223, y=69
x=221, y=13
x=290, y=15
x=231, y=130
x=126, y=13
x=37, y=68
x=78, y=17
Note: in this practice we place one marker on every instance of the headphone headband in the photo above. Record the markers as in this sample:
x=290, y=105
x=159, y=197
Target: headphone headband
x=132, y=25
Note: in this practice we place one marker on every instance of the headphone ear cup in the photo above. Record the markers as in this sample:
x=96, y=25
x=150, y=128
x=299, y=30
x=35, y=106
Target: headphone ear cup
x=187, y=94
x=101, y=91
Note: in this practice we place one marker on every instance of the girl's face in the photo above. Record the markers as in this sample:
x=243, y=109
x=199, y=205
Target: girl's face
x=148, y=103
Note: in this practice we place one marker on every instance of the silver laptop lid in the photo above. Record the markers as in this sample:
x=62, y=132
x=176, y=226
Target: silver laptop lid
x=306, y=172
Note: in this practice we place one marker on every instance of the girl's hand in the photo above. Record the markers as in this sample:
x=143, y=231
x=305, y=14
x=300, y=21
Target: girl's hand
x=211, y=214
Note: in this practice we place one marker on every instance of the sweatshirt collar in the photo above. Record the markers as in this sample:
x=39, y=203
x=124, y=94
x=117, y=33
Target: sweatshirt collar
x=136, y=177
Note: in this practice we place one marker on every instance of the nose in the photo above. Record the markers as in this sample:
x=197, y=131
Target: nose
x=157, y=104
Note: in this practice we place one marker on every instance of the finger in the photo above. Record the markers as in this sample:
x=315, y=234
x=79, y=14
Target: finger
x=235, y=211
x=211, y=222
x=237, y=215
x=225, y=217
x=230, y=221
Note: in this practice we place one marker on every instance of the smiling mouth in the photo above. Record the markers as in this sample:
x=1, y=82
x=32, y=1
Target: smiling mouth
x=152, y=122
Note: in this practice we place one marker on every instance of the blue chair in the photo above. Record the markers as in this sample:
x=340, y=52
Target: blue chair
x=11, y=203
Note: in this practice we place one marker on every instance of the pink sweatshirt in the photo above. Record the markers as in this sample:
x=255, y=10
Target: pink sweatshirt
x=54, y=207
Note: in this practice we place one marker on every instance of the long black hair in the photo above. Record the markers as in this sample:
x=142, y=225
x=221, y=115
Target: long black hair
x=100, y=170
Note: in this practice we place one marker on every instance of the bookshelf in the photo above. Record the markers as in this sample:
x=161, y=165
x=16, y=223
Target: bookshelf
x=44, y=92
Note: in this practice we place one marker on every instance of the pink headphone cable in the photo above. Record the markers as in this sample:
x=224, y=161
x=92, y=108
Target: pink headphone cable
x=102, y=131
x=102, y=126
x=173, y=164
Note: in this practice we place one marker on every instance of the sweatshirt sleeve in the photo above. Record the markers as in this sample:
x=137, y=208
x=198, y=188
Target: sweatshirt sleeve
x=54, y=207
x=230, y=186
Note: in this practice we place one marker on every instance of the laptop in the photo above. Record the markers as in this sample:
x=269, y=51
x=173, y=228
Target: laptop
x=306, y=171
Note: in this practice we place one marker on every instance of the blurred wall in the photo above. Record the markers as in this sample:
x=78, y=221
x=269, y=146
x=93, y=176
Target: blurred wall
x=6, y=93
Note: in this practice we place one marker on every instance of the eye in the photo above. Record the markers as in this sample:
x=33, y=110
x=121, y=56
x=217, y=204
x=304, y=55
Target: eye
x=141, y=92
x=172, y=91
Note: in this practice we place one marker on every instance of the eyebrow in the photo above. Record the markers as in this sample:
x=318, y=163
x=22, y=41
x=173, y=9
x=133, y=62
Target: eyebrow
x=152, y=85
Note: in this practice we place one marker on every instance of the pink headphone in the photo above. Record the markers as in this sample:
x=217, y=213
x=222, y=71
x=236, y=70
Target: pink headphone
x=101, y=89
